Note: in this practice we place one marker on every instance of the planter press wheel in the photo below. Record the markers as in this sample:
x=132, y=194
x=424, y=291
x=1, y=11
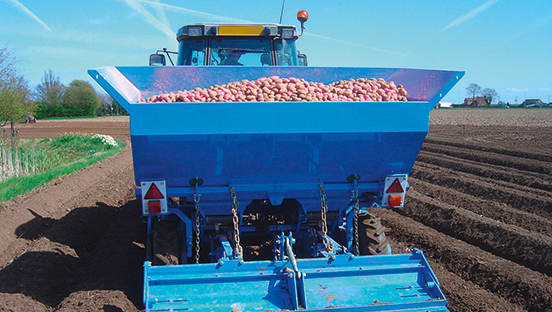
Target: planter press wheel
x=165, y=243
x=372, y=240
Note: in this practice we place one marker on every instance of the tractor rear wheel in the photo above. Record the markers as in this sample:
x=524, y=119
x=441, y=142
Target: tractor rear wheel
x=165, y=243
x=372, y=235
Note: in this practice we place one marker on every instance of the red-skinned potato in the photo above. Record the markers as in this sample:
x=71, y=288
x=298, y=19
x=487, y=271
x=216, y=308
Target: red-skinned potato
x=274, y=88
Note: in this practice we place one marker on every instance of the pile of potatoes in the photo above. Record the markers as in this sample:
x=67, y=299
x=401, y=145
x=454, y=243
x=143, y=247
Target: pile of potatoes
x=276, y=89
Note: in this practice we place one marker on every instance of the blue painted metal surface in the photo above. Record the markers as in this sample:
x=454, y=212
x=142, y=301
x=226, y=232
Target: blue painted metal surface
x=295, y=162
x=279, y=151
x=129, y=84
x=366, y=283
x=272, y=150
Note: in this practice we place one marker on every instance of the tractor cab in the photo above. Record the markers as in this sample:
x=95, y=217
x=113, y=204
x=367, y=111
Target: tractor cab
x=209, y=44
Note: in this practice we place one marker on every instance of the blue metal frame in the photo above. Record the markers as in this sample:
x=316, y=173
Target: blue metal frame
x=275, y=151
x=187, y=239
x=127, y=85
x=270, y=150
x=340, y=283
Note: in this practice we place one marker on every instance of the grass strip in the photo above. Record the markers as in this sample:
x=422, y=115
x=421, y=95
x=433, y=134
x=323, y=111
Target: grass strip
x=67, y=154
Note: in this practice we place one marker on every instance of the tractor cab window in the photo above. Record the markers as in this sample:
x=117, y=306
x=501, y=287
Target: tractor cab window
x=241, y=52
x=192, y=52
x=286, y=53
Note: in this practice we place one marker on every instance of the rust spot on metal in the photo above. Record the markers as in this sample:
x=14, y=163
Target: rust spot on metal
x=330, y=297
x=261, y=269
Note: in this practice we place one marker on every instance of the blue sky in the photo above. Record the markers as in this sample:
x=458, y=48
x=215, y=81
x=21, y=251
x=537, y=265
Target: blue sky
x=504, y=45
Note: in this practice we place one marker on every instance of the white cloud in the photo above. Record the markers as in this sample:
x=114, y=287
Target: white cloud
x=161, y=14
x=471, y=14
x=149, y=18
x=355, y=44
x=517, y=90
x=31, y=14
x=204, y=15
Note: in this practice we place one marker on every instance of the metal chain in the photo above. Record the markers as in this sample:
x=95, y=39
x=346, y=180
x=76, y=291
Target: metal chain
x=197, y=232
x=235, y=219
x=323, y=214
x=357, y=210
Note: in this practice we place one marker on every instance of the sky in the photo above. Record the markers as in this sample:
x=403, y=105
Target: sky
x=505, y=45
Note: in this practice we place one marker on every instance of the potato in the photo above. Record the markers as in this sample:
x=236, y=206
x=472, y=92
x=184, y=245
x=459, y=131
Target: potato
x=275, y=88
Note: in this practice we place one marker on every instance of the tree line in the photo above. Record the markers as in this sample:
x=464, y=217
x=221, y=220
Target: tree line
x=48, y=99
x=79, y=99
x=488, y=94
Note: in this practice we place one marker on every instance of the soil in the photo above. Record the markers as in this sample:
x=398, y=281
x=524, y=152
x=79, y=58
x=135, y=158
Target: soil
x=479, y=207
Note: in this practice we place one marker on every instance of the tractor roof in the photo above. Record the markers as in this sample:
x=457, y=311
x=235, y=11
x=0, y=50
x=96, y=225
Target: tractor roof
x=229, y=30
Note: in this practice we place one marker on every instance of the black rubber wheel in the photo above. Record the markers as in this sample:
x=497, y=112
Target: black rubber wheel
x=372, y=240
x=165, y=243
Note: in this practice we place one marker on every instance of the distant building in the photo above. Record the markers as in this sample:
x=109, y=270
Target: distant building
x=479, y=101
x=532, y=103
x=444, y=105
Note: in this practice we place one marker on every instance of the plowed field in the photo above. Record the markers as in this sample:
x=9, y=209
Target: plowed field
x=479, y=207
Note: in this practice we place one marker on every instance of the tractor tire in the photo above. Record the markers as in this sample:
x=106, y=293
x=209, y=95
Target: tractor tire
x=372, y=240
x=165, y=243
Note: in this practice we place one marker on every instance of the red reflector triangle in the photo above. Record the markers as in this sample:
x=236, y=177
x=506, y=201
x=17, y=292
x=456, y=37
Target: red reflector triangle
x=395, y=187
x=153, y=193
